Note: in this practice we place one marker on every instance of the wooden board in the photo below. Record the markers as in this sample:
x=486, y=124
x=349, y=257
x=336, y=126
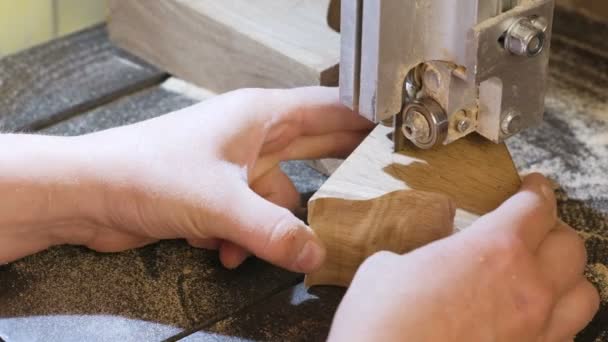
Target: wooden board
x=477, y=175
x=352, y=230
x=51, y=82
x=229, y=44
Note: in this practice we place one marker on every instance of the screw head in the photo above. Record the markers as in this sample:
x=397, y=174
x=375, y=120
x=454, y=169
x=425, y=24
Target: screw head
x=511, y=124
x=416, y=126
x=463, y=125
x=424, y=123
x=525, y=38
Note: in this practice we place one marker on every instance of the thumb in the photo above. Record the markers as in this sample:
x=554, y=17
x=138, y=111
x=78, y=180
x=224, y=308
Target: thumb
x=270, y=232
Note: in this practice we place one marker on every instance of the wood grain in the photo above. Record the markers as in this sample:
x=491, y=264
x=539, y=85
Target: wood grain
x=477, y=174
x=229, y=44
x=380, y=200
x=399, y=222
x=52, y=82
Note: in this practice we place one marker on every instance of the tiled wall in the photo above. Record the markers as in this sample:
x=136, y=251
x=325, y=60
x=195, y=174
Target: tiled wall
x=24, y=23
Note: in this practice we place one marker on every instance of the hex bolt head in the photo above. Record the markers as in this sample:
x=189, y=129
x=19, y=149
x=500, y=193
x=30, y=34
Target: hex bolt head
x=463, y=125
x=511, y=124
x=525, y=37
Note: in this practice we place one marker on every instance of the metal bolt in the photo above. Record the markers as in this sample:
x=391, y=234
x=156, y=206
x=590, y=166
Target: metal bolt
x=425, y=123
x=511, y=124
x=463, y=125
x=525, y=37
x=416, y=126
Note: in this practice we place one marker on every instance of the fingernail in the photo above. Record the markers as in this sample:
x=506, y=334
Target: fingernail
x=311, y=256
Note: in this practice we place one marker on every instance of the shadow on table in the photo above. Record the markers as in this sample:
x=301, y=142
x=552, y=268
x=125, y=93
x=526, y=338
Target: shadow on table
x=291, y=315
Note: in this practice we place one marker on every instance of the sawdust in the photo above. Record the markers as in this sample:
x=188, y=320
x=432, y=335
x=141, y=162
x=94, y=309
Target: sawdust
x=598, y=275
x=169, y=283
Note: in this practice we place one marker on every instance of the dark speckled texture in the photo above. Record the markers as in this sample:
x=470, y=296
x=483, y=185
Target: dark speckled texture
x=54, y=81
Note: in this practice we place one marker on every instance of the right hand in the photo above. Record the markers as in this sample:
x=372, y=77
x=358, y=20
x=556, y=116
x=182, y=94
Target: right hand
x=515, y=275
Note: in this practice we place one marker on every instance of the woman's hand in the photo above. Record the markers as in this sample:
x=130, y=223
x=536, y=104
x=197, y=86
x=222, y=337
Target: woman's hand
x=515, y=275
x=208, y=173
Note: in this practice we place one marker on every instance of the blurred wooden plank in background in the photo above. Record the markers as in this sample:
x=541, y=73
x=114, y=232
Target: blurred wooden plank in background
x=224, y=45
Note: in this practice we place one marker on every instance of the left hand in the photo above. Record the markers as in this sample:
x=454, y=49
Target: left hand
x=210, y=174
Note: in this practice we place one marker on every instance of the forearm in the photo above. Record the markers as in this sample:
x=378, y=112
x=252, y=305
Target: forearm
x=43, y=193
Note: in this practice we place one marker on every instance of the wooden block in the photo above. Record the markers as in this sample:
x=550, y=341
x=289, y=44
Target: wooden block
x=399, y=221
x=229, y=44
x=476, y=174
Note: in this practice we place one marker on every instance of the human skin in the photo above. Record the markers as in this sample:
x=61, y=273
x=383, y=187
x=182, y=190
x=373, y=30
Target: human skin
x=515, y=275
x=209, y=174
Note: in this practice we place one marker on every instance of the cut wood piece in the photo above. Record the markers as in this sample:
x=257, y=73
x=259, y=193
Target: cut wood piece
x=230, y=44
x=477, y=175
x=353, y=230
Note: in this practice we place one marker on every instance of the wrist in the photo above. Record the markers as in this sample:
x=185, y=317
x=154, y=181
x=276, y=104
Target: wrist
x=45, y=193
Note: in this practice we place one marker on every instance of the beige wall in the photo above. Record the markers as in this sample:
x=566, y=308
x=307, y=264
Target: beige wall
x=24, y=23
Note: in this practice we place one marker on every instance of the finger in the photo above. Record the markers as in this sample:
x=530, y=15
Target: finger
x=268, y=231
x=319, y=111
x=562, y=258
x=277, y=188
x=211, y=244
x=529, y=215
x=231, y=255
x=274, y=186
x=337, y=145
x=573, y=312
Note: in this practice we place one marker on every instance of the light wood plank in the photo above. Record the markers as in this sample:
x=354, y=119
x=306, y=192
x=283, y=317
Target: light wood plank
x=477, y=174
x=380, y=200
x=229, y=44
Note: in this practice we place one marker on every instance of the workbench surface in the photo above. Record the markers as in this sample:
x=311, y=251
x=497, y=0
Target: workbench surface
x=171, y=291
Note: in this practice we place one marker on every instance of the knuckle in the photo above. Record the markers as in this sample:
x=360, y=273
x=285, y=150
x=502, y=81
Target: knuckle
x=576, y=246
x=507, y=249
x=535, y=304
